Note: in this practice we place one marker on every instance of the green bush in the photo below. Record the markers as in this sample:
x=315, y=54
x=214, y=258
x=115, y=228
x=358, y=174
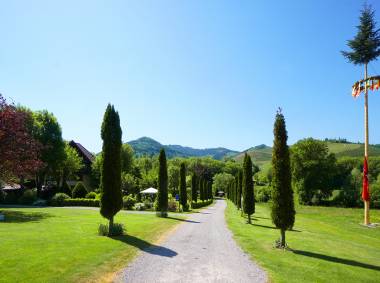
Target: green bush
x=128, y=202
x=79, y=190
x=91, y=195
x=117, y=229
x=348, y=197
x=2, y=196
x=66, y=189
x=81, y=202
x=262, y=193
x=58, y=199
x=200, y=204
x=139, y=206
x=28, y=197
x=172, y=205
x=10, y=198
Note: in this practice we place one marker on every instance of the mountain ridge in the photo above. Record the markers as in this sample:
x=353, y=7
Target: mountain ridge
x=148, y=146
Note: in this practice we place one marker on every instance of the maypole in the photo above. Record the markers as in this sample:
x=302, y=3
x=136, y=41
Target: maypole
x=365, y=47
x=366, y=142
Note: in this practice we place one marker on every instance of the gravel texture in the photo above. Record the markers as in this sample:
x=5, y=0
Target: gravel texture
x=201, y=249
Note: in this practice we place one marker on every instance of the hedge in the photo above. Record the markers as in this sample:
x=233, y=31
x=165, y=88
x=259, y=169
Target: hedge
x=201, y=203
x=81, y=202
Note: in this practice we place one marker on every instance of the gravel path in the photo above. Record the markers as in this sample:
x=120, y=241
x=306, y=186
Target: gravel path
x=199, y=250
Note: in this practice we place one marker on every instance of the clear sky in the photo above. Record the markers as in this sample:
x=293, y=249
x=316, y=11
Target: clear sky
x=196, y=73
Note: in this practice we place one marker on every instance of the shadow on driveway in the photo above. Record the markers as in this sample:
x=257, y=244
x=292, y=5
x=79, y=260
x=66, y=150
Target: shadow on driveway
x=183, y=220
x=145, y=246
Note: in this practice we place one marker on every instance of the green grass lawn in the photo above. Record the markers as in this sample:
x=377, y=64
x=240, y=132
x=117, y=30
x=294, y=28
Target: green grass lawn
x=62, y=245
x=328, y=245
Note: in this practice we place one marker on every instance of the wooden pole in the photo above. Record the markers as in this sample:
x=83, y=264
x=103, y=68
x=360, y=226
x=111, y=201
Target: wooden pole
x=366, y=203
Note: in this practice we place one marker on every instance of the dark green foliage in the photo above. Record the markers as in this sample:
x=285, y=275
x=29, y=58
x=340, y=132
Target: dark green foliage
x=117, y=229
x=282, y=213
x=182, y=187
x=313, y=170
x=59, y=199
x=129, y=202
x=194, y=188
x=210, y=190
x=28, y=197
x=79, y=190
x=239, y=189
x=263, y=193
x=203, y=190
x=365, y=47
x=162, y=195
x=110, y=181
x=248, y=193
x=66, y=189
x=195, y=205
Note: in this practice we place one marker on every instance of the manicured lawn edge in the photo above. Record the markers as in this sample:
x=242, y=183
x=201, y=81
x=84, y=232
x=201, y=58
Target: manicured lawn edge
x=62, y=244
x=327, y=244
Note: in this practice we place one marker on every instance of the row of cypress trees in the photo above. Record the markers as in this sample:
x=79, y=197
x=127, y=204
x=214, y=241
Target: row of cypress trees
x=241, y=190
x=197, y=184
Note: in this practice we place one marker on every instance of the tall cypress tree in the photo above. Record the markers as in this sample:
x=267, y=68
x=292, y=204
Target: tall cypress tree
x=248, y=195
x=194, y=188
x=283, y=212
x=162, y=195
x=182, y=187
x=202, y=189
x=111, y=200
x=210, y=190
x=239, y=188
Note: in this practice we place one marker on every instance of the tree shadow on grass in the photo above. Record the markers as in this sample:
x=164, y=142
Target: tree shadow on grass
x=337, y=260
x=262, y=217
x=183, y=220
x=15, y=216
x=263, y=226
x=145, y=246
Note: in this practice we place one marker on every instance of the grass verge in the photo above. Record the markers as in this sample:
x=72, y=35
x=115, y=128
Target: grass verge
x=62, y=245
x=327, y=244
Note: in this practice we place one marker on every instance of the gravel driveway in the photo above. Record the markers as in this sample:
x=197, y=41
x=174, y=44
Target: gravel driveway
x=200, y=250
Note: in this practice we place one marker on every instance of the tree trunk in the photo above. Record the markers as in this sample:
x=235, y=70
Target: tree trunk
x=283, y=238
x=110, y=227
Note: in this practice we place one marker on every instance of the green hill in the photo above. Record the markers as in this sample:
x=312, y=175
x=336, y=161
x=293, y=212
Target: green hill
x=262, y=154
x=352, y=149
x=149, y=146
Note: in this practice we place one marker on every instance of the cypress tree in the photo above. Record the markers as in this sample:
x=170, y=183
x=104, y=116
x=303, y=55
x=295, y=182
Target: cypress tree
x=233, y=191
x=182, y=187
x=239, y=188
x=202, y=189
x=283, y=213
x=194, y=188
x=236, y=190
x=162, y=194
x=111, y=200
x=248, y=195
x=211, y=194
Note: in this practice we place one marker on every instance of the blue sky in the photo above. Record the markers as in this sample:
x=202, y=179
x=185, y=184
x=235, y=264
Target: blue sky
x=195, y=73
